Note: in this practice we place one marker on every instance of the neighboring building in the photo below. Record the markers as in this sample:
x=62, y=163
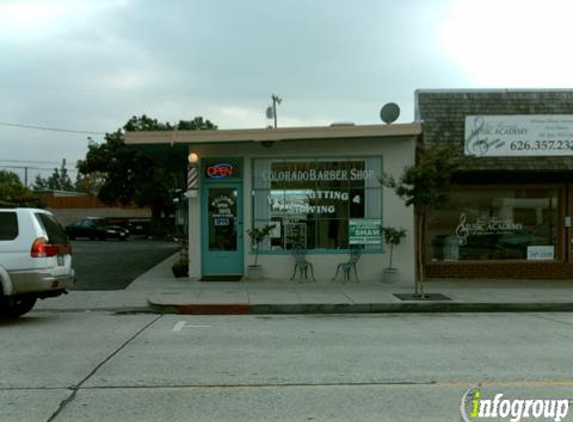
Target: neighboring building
x=317, y=185
x=509, y=214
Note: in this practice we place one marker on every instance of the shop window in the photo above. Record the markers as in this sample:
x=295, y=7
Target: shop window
x=494, y=224
x=312, y=202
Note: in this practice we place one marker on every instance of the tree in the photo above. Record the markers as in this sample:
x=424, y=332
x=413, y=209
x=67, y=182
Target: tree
x=130, y=176
x=425, y=186
x=145, y=123
x=59, y=180
x=90, y=183
x=13, y=191
x=40, y=184
x=257, y=235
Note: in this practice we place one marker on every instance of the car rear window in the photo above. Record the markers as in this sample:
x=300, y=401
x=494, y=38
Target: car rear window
x=8, y=226
x=56, y=234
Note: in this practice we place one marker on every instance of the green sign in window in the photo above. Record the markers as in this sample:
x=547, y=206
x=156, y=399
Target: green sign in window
x=364, y=231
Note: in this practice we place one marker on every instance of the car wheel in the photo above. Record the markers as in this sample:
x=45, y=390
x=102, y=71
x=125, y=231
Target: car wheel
x=16, y=306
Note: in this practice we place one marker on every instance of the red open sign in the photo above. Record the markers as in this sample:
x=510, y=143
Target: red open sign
x=220, y=171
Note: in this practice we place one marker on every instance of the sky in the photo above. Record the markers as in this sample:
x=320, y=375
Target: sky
x=85, y=67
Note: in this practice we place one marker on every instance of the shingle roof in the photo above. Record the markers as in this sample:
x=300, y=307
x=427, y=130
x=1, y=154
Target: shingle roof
x=443, y=112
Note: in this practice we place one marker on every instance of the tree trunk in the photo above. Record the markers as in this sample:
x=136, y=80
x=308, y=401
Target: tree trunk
x=390, y=257
x=420, y=270
x=156, y=225
x=421, y=256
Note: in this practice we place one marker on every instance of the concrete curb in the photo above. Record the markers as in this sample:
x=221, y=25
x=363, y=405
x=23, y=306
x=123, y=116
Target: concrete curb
x=201, y=308
x=360, y=308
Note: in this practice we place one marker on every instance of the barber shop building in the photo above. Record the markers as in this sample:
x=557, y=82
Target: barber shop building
x=318, y=186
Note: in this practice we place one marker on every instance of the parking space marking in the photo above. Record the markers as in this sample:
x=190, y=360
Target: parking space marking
x=183, y=324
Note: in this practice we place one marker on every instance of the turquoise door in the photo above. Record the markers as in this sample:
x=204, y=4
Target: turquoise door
x=222, y=229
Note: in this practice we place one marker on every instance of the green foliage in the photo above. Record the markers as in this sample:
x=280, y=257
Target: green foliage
x=393, y=236
x=58, y=180
x=426, y=184
x=145, y=123
x=13, y=191
x=90, y=183
x=127, y=175
x=180, y=267
x=257, y=235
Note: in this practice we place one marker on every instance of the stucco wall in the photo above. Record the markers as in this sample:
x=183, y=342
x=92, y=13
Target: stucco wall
x=396, y=153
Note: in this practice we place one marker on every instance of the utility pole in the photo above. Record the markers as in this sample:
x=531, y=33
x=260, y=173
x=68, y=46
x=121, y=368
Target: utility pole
x=272, y=110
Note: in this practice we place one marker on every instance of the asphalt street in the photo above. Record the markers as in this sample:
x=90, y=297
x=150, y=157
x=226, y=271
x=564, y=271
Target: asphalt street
x=97, y=366
x=112, y=264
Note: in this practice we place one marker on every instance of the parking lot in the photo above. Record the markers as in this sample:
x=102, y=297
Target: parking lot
x=112, y=265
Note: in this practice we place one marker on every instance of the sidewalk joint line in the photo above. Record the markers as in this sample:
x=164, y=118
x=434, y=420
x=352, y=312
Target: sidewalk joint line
x=77, y=387
x=547, y=318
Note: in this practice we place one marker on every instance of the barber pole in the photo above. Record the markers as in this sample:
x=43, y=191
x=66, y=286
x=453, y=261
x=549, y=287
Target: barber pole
x=192, y=178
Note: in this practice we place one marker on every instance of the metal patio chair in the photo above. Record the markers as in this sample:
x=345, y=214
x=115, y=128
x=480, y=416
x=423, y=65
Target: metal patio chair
x=301, y=264
x=349, y=265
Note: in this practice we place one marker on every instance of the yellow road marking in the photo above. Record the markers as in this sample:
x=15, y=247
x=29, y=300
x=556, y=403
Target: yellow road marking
x=514, y=384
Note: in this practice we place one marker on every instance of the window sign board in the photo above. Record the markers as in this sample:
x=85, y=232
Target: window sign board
x=540, y=253
x=519, y=135
x=276, y=232
x=295, y=235
x=364, y=231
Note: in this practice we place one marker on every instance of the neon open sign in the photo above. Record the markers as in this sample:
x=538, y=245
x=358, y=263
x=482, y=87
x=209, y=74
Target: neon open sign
x=220, y=171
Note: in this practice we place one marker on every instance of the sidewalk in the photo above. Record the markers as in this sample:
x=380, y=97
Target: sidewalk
x=158, y=291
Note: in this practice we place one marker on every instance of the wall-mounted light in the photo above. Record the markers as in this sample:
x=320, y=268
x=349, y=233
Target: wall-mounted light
x=193, y=158
x=192, y=175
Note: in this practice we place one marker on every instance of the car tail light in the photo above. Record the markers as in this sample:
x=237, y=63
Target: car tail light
x=42, y=249
x=65, y=249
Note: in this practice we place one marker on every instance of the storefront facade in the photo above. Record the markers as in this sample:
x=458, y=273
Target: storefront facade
x=509, y=214
x=319, y=187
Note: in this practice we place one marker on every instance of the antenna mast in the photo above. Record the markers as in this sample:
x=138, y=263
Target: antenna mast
x=276, y=99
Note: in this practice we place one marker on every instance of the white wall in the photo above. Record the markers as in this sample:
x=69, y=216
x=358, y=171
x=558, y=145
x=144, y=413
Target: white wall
x=396, y=154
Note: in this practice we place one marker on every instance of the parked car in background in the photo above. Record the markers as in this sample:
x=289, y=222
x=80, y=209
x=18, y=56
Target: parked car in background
x=35, y=259
x=96, y=228
x=139, y=226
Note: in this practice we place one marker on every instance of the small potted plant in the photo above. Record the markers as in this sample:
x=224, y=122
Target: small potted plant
x=180, y=267
x=392, y=238
x=257, y=235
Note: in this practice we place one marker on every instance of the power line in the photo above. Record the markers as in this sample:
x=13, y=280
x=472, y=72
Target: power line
x=36, y=168
x=51, y=129
x=30, y=161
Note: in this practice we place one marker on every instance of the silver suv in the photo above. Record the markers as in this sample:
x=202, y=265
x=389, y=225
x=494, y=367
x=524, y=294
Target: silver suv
x=35, y=259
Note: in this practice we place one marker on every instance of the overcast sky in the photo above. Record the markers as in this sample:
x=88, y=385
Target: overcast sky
x=86, y=65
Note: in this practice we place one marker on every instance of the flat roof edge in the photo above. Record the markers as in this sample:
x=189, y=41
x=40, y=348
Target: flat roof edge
x=279, y=134
x=489, y=90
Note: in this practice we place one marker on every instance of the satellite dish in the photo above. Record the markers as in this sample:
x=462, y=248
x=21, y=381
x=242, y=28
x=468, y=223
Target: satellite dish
x=389, y=112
